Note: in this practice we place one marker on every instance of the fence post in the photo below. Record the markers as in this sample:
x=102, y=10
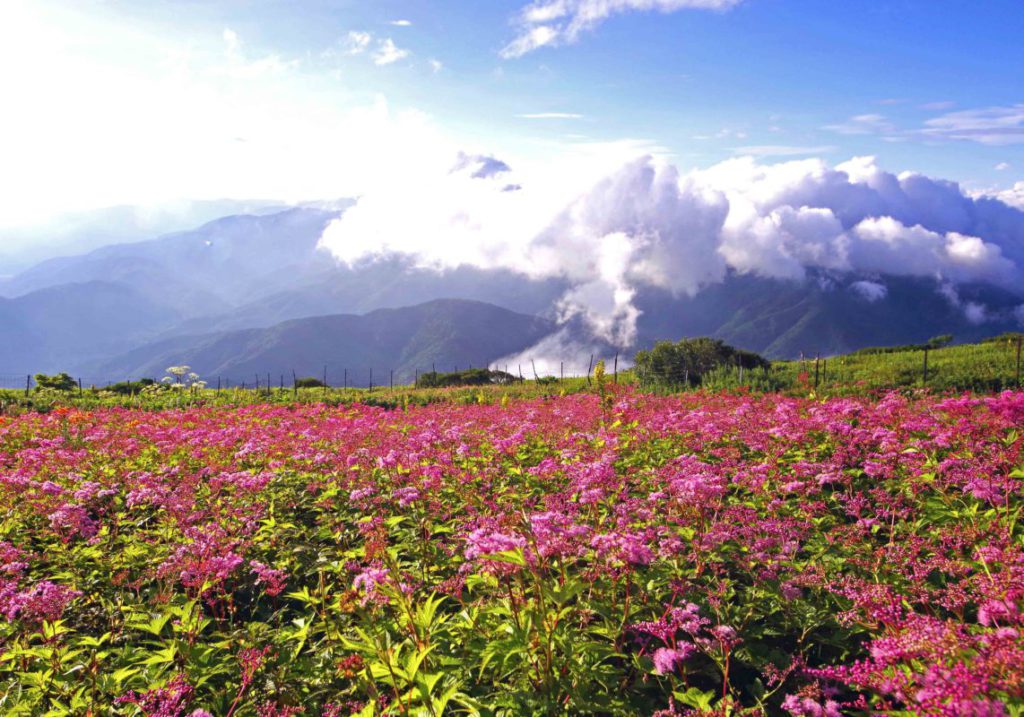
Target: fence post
x=371, y=379
x=616, y=373
x=590, y=368
x=28, y=381
x=80, y=386
x=817, y=370
x=392, y=380
x=925, y=381
x=295, y=384
x=346, y=380
x=561, y=371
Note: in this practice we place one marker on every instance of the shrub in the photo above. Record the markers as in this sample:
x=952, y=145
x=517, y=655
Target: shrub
x=308, y=382
x=466, y=377
x=58, y=382
x=688, y=360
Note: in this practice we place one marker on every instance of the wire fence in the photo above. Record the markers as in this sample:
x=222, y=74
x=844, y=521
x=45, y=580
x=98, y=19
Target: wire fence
x=335, y=376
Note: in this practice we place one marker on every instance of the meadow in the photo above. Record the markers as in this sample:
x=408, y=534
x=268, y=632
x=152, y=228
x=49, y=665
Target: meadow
x=603, y=552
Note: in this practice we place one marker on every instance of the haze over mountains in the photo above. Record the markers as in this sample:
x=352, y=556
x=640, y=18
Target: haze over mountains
x=250, y=294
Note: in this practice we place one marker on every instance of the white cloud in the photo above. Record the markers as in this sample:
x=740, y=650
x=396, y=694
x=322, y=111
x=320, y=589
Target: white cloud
x=1014, y=196
x=647, y=225
x=435, y=65
x=387, y=52
x=864, y=124
x=401, y=23
x=989, y=125
x=870, y=291
x=556, y=22
x=1002, y=166
x=357, y=42
x=104, y=113
x=550, y=115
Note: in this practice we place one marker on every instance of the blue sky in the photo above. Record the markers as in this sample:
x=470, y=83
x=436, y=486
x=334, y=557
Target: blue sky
x=927, y=86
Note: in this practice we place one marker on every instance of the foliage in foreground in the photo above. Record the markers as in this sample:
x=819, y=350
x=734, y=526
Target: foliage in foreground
x=614, y=555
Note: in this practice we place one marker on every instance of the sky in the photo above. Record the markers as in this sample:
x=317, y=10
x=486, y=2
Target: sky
x=617, y=144
x=112, y=102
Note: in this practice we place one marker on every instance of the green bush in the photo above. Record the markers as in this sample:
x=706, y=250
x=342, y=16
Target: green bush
x=466, y=377
x=309, y=382
x=686, y=362
x=58, y=382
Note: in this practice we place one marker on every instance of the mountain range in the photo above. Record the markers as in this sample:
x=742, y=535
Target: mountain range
x=254, y=293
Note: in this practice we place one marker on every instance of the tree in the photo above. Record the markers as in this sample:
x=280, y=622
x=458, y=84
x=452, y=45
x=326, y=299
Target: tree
x=59, y=382
x=688, y=360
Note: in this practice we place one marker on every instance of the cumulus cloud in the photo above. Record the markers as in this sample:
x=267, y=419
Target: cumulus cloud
x=387, y=52
x=648, y=225
x=557, y=22
x=1014, y=196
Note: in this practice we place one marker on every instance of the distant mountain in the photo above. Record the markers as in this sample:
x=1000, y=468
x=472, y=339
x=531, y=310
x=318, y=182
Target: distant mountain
x=73, y=233
x=828, y=314
x=386, y=283
x=63, y=326
x=445, y=334
x=210, y=269
x=254, y=272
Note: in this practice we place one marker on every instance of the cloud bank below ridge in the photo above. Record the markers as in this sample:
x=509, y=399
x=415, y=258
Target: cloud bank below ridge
x=646, y=224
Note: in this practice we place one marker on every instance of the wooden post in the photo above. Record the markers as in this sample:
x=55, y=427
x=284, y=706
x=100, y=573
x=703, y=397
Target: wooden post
x=590, y=368
x=295, y=384
x=521, y=379
x=268, y=381
x=925, y=381
x=416, y=381
x=218, y=384
x=371, y=380
x=561, y=371
x=80, y=380
x=325, y=379
x=346, y=380
x=616, y=371
x=1020, y=339
x=28, y=384
x=534, y=366
x=817, y=370
x=392, y=385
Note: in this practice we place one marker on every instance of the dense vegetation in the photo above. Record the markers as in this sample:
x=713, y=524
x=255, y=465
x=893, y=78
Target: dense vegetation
x=612, y=554
x=466, y=377
x=685, y=363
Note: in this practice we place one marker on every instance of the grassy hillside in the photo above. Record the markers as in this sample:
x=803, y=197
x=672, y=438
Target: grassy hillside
x=987, y=366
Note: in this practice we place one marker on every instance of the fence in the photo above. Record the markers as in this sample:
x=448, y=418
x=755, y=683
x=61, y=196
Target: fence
x=336, y=376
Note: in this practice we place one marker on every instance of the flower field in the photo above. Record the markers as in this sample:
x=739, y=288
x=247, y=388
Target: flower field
x=580, y=555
